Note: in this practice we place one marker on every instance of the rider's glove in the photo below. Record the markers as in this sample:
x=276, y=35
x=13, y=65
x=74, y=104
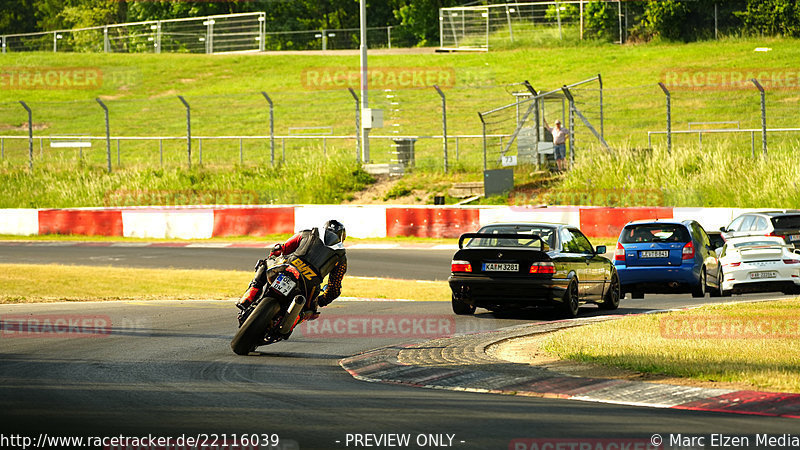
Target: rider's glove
x=277, y=249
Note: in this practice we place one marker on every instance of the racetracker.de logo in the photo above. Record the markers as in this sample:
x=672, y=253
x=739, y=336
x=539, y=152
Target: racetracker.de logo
x=731, y=79
x=54, y=325
x=322, y=78
x=387, y=326
x=716, y=327
x=34, y=78
x=584, y=444
x=588, y=197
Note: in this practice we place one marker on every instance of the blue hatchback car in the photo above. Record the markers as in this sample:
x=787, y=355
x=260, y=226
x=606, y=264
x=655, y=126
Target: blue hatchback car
x=666, y=256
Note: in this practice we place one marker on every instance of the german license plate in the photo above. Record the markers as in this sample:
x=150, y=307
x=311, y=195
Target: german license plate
x=762, y=275
x=283, y=284
x=654, y=254
x=794, y=237
x=500, y=267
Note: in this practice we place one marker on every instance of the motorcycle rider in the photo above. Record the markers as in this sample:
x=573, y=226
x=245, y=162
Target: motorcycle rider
x=325, y=255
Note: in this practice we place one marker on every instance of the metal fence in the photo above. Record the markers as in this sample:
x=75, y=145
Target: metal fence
x=247, y=128
x=515, y=133
x=523, y=24
x=242, y=32
x=423, y=128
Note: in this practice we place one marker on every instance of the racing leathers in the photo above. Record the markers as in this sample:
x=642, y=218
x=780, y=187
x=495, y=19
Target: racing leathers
x=311, y=250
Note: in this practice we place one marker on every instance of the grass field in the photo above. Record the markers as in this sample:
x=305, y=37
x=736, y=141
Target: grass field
x=22, y=283
x=752, y=343
x=224, y=92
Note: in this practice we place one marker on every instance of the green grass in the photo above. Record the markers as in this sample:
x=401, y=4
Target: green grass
x=750, y=343
x=22, y=284
x=224, y=93
x=321, y=180
x=721, y=174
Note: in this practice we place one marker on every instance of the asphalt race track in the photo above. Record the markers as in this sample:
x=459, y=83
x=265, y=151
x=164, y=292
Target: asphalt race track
x=410, y=264
x=164, y=368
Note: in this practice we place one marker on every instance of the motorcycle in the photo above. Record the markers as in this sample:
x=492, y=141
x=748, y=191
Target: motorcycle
x=279, y=307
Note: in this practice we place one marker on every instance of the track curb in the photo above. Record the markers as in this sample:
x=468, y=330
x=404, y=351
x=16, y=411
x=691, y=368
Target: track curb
x=461, y=363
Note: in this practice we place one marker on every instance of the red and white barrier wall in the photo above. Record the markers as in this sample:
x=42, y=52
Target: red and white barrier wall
x=361, y=221
x=368, y=221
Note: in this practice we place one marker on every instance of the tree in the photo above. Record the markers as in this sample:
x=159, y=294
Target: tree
x=17, y=16
x=772, y=17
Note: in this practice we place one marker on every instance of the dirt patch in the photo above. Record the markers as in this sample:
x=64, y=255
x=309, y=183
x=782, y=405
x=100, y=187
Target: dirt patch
x=380, y=193
x=23, y=127
x=527, y=350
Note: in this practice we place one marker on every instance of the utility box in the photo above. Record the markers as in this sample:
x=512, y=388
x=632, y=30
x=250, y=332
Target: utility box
x=371, y=118
x=498, y=181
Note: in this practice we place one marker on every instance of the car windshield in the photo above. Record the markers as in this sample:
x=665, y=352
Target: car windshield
x=546, y=233
x=654, y=232
x=786, y=221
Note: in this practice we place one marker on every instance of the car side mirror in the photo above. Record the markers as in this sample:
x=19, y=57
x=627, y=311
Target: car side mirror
x=797, y=250
x=600, y=249
x=723, y=229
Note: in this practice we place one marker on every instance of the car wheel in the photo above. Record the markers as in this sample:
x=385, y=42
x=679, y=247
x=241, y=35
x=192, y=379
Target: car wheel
x=611, y=299
x=570, y=302
x=461, y=308
x=699, y=290
x=717, y=292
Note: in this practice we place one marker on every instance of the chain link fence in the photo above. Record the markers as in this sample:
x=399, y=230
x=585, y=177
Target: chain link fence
x=226, y=33
x=507, y=25
x=255, y=128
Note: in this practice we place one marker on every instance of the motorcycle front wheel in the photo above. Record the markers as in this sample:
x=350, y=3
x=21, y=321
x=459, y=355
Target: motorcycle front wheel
x=251, y=333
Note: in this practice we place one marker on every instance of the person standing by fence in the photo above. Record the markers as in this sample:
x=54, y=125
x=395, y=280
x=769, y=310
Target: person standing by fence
x=560, y=136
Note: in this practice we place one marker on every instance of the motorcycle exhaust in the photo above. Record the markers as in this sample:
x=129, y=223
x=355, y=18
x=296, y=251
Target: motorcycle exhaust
x=292, y=313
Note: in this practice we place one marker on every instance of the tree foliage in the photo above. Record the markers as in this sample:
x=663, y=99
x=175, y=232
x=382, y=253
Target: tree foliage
x=415, y=22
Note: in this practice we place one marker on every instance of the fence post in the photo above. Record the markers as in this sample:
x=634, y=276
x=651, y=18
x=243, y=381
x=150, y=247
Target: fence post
x=558, y=16
x=669, y=116
x=262, y=35
x=209, y=35
x=511, y=30
x=106, y=43
x=108, y=134
x=619, y=19
x=444, y=124
x=188, y=130
x=3, y=42
x=271, y=128
x=571, y=100
x=602, y=125
x=763, y=115
x=483, y=128
x=389, y=36
x=358, y=124
x=30, y=134
x=158, y=37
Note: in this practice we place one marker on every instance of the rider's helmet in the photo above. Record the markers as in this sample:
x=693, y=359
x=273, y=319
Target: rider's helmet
x=334, y=232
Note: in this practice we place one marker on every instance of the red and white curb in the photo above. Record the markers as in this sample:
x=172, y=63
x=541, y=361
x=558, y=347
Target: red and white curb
x=382, y=366
x=365, y=221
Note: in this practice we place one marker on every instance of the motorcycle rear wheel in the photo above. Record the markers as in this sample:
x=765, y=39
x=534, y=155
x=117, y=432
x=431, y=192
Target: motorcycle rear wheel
x=251, y=333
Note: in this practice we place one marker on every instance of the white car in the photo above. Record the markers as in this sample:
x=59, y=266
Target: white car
x=759, y=264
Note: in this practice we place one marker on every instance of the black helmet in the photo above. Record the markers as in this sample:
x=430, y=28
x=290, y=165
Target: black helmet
x=335, y=227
